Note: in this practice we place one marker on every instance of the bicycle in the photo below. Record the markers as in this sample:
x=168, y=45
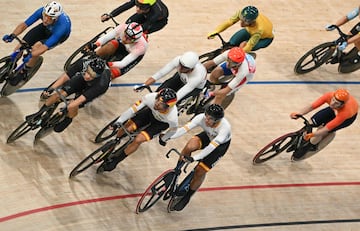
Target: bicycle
x=291, y=142
x=9, y=68
x=83, y=50
x=106, y=151
x=212, y=54
x=166, y=186
x=46, y=119
x=328, y=52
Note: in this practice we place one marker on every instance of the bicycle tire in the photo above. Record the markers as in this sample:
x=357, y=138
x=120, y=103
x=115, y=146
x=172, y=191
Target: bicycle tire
x=8, y=89
x=102, y=135
x=48, y=126
x=274, y=148
x=319, y=55
x=5, y=67
x=24, y=128
x=95, y=157
x=154, y=191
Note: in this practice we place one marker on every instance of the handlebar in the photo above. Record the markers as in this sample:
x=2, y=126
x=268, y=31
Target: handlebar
x=343, y=36
x=110, y=17
x=139, y=88
x=187, y=158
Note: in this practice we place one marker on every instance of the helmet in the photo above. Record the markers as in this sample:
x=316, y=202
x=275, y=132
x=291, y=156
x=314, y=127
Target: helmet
x=167, y=96
x=249, y=14
x=144, y=4
x=97, y=65
x=189, y=59
x=53, y=9
x=236, y=55
x=215, y=111
x=134, y=31
x=342, y=95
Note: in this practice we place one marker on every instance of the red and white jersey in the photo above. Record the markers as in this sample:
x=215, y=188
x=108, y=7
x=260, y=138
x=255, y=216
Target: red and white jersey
x=242, y=75
x=135, y=49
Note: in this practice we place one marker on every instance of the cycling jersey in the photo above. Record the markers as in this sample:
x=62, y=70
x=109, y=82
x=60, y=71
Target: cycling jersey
x=59, y=30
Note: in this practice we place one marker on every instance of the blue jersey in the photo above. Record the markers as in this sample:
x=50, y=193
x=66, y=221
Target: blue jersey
x=60, y=29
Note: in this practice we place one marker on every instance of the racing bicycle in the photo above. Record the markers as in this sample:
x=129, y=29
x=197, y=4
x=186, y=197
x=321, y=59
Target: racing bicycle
x=11, y=66
x=329, y=53
x=166, y=186
x=291, y=142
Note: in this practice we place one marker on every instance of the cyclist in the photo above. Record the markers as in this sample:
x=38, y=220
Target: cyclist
x=89, y=83
x=233, y=62
x=257, y=29
x=213, y=142
x=340, y=113
x=151, y=14
x=354, y=31
x=54, y=30
x=127, y=43
x=155, y=113
x=189, y=79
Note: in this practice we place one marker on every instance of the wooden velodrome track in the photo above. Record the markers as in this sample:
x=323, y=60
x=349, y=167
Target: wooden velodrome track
x=321, y=193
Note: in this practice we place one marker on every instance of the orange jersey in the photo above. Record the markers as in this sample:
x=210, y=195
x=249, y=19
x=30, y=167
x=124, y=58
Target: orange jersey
x=347, y=111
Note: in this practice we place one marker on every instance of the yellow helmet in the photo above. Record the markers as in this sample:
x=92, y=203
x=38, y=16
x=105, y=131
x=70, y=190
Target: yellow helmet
x=144, y=4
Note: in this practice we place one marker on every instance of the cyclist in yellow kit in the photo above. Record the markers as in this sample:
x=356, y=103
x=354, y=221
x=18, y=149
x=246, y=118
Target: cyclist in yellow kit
x=257, y=29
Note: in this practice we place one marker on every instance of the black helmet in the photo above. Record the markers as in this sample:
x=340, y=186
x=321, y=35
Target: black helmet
x=97, y=65
x=215, y=111
x=249, y=14
x=167, y=96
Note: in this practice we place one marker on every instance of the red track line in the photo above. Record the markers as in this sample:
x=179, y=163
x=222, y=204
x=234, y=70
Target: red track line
x=64, y=205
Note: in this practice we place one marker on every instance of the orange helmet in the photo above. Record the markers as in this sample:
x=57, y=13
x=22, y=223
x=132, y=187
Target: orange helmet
x=342, y=95
x=236, y=55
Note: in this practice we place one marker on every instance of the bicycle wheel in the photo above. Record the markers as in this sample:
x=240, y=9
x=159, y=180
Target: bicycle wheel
x=106, y=133
x=48, y=126
x=5, y=67
x=314, y=58
x=24, y=128
x=95, y=157
x=274, y=148
x=8, y=89
x=155, y=191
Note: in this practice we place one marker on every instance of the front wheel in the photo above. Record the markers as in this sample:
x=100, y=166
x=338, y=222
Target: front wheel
x=274, y=148
x=106, y=133
x=5, y=68
x=314, y=58
x=155, y=191
x=95, y=157
x=8, y=89
x=24, y=128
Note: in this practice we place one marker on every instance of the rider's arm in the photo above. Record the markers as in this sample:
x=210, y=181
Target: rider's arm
x=195, y=79
x=122, y=8
x=130, y=112
x=110, y=35
x=167, y=68
x=184, y=129
x=226, y=24
x=254, y=39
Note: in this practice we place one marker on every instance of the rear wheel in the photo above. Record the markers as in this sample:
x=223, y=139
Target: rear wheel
x=155, y=191
x=314, y=58
x=274, y=148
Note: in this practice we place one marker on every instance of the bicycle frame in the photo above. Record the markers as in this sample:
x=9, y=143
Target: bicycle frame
x=165, y=186
x=293, y=140
x=212, y=54
x=325, y=53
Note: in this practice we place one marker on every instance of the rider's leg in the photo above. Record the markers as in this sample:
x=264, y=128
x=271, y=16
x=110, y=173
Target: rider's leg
x=216, y=74
x=239, y=37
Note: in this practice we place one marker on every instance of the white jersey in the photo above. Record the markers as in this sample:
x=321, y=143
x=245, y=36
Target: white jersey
x=171, y=117
x=135, y=49
x=217, y=135
x=242, y=75
x=195, y=79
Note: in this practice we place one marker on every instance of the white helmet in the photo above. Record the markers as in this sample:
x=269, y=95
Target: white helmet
x=134, y=31
x=189, y=59
x=53, y=9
